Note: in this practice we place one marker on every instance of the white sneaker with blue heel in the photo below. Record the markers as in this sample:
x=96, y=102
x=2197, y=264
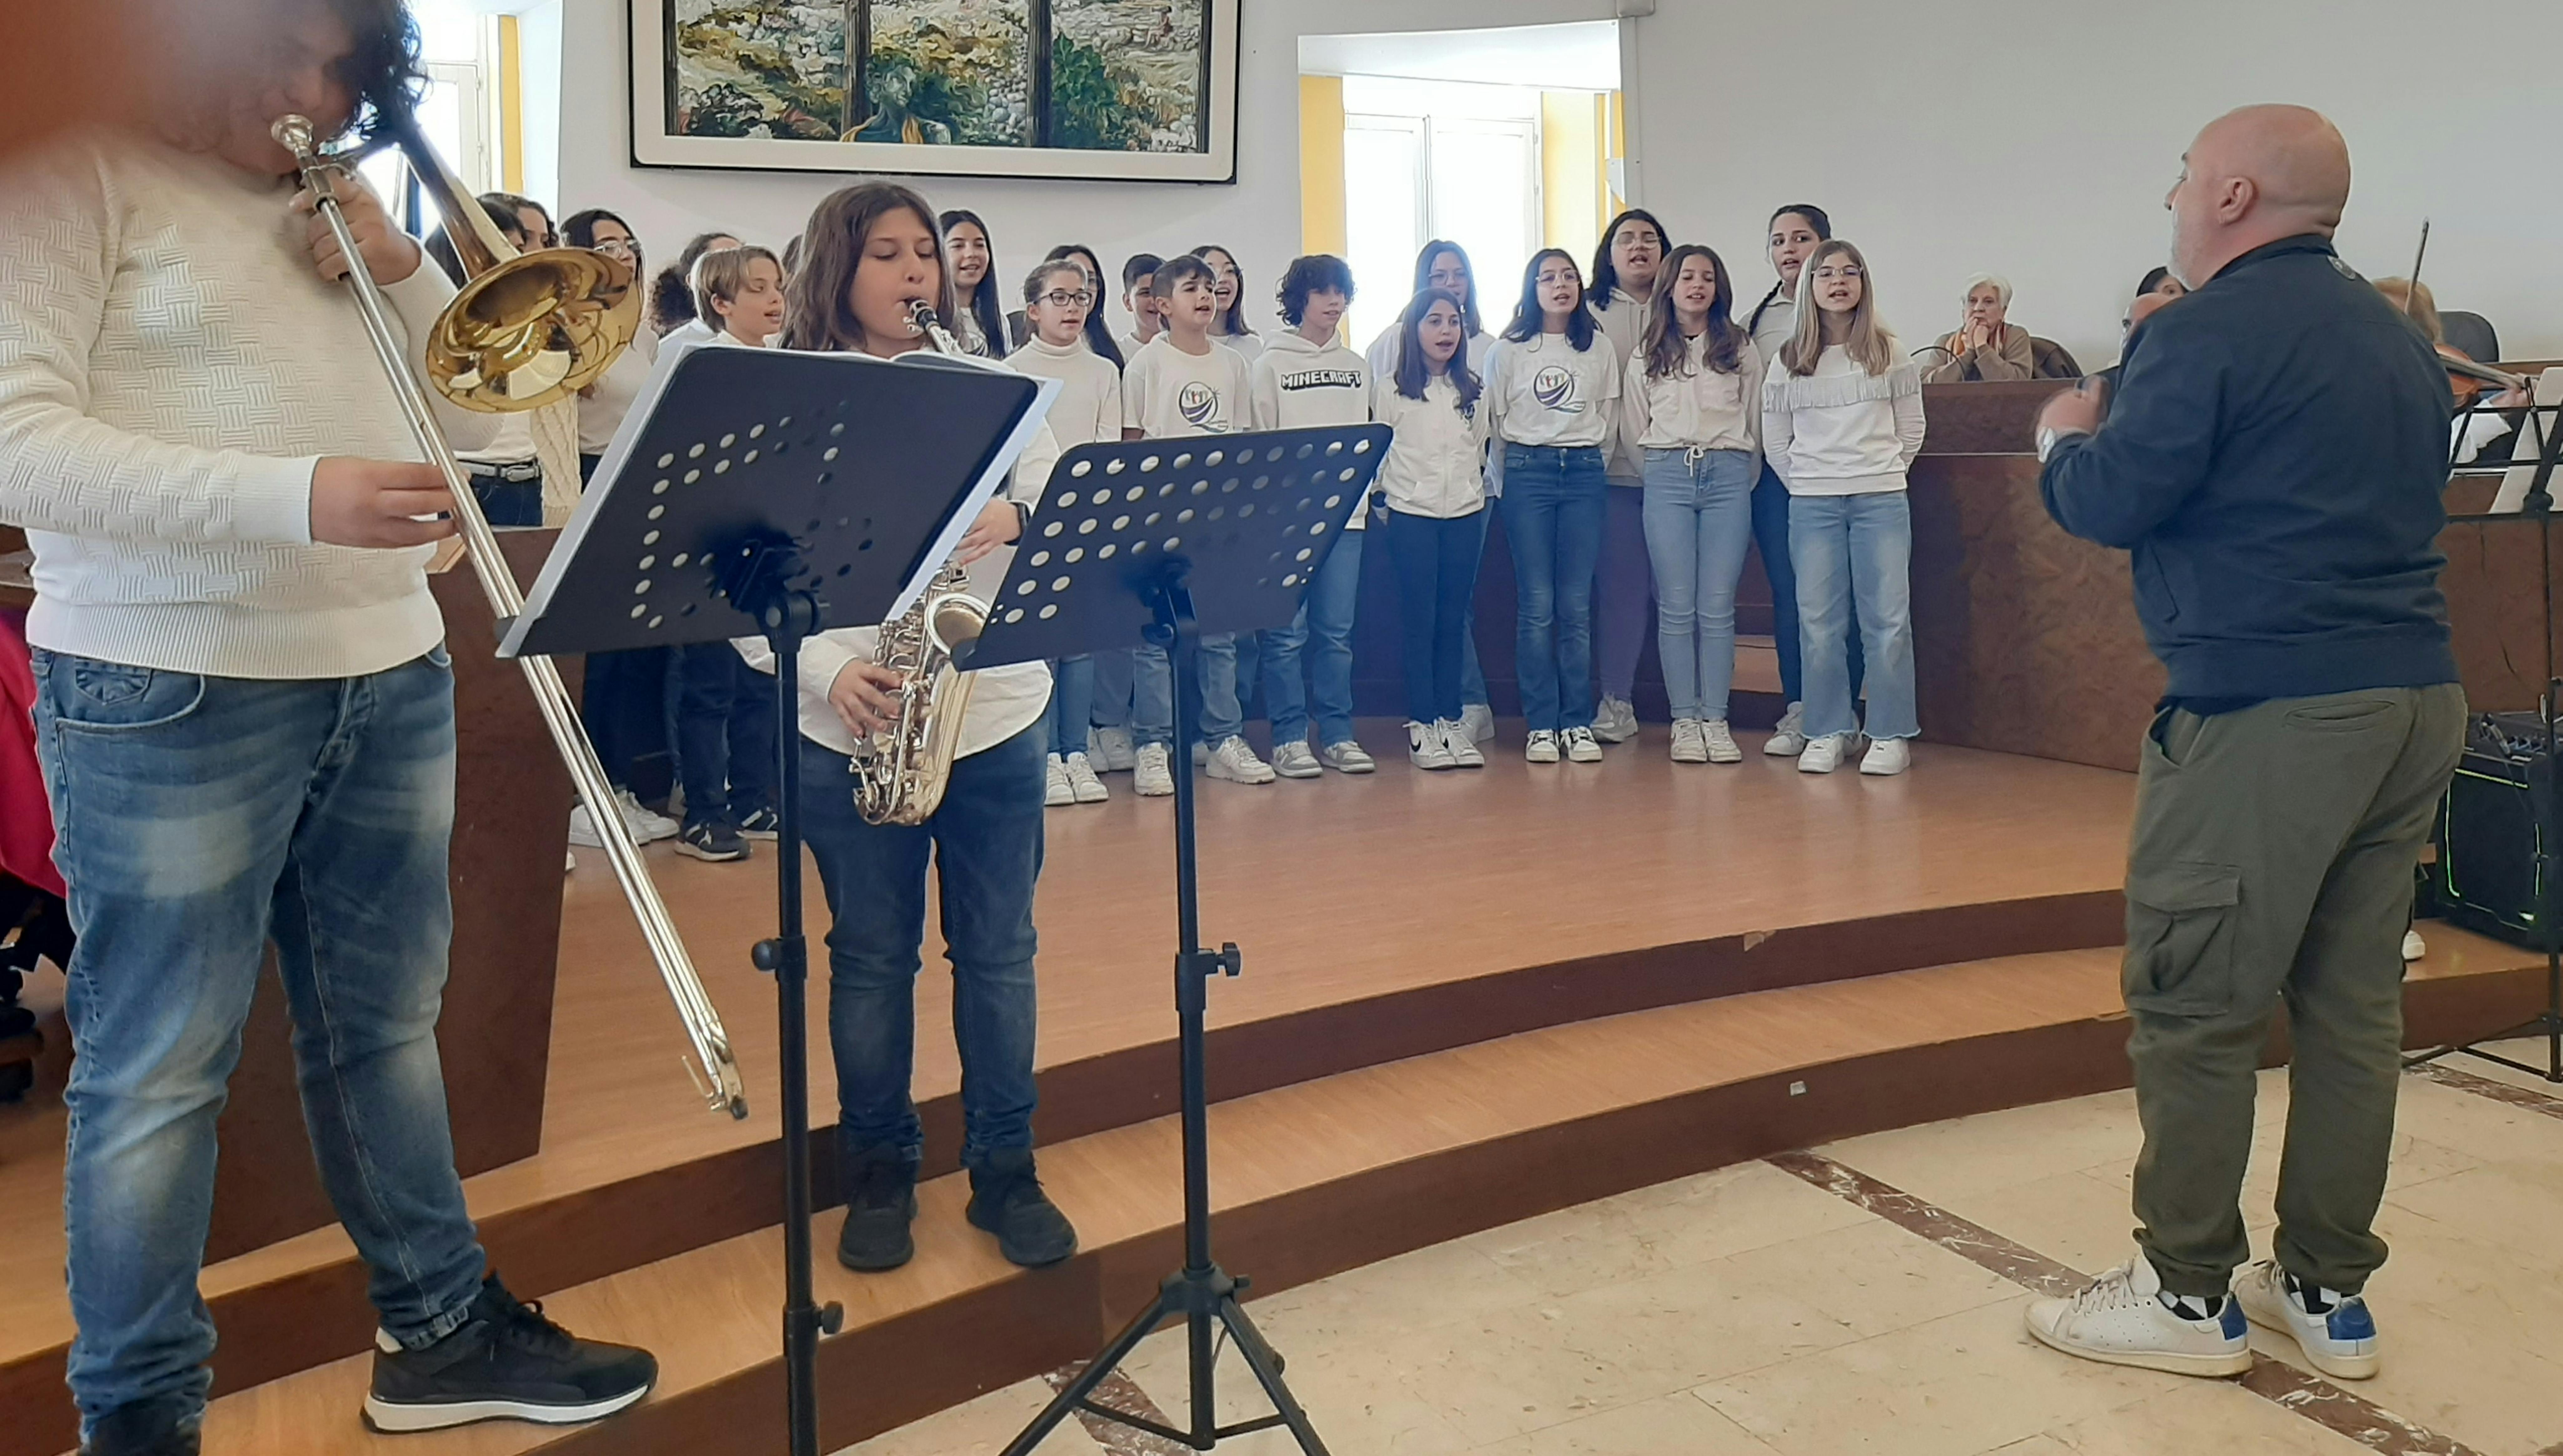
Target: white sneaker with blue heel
x=2125, y=1318
x=2334, y=1329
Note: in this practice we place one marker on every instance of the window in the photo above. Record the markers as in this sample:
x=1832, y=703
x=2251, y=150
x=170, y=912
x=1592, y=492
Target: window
x=457, y=115
x=1425, y=160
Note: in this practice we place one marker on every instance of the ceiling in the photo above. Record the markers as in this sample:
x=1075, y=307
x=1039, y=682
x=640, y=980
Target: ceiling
x=1584, y=56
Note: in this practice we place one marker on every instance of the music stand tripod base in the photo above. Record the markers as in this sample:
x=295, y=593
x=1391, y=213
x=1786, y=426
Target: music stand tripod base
x=1167, y=539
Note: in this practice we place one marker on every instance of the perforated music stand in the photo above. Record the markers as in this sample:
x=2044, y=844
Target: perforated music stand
x=1167, y=539
x=763, y=493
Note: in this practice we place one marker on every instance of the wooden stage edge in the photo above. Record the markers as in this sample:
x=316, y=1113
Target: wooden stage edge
x=946, y=1353
x=310, y=1316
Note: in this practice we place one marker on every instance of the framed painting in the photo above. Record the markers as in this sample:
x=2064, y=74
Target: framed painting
x=1119, y=90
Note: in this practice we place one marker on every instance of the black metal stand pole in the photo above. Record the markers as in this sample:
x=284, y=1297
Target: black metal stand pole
x=1200, y=1293
x=789, y=616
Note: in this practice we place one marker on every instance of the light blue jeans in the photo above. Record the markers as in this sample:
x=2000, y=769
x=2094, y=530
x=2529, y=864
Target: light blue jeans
x=1152, y=706
x=1855, y=548
x=1326, y=614
x=1553, y=508
x=1699, y=521
x=1071, y=703
x=198, y=816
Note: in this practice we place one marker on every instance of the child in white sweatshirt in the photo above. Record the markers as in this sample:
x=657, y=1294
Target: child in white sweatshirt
x=1842, y=420
x=1304, y=377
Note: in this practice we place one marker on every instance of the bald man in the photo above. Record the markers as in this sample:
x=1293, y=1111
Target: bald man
x=2272, y=460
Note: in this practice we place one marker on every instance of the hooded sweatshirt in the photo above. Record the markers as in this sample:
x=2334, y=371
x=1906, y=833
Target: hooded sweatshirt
x=1299, y=384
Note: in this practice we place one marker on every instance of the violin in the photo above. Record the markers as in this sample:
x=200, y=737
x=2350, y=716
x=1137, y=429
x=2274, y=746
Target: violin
x=2466, y=378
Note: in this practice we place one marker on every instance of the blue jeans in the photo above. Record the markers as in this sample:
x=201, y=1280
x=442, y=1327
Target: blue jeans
x=1071, y=700
x=1111, y=687
x=1855, y=549
x=1771, y=538
x=1699, y=520
x=1622, y=589
x=724, y=734
x=985, y=841
x=1553, y=517
x=1437, y=573
x=1152, y=706
x=198, y=816
x=1327, y=613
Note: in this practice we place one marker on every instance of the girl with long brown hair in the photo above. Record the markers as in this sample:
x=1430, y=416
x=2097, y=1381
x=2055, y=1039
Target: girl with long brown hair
x=1842, y=420
x=871, y=253
x=1691, y=410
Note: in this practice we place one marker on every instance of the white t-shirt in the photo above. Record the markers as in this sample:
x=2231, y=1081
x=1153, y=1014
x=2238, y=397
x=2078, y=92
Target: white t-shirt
x=1088, y=408
x=1168, y=394
x=1248, y=346
x=1382, y=353
x=1548, y=392
x=1624, y=322
x=1695, y=407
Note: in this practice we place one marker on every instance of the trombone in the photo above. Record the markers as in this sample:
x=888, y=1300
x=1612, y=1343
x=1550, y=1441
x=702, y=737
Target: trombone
x=521, y=334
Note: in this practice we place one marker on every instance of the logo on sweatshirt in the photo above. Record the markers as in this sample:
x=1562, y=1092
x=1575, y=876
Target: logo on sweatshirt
x=1323, y=379
x=1198, y=404
x=1554, y=388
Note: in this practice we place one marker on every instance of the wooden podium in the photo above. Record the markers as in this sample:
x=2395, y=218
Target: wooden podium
x=510, y=822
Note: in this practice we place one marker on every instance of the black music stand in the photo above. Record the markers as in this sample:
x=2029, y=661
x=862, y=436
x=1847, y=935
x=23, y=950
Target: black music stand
x=752, y=493
x=1166, y=540
x=2544, y=792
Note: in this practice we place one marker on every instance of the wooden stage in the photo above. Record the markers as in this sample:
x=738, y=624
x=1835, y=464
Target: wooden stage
x=1468, y=997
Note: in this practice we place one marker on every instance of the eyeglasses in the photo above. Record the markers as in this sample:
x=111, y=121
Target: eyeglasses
x=1060, y=299
x=615, y=248
x=1839, y=270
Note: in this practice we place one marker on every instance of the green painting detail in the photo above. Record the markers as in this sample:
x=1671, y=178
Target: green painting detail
x=1128, y=76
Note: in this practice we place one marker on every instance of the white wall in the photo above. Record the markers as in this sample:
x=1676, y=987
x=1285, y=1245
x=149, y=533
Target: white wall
x=2035, y=139
x=1259, y=217
x=539, y=81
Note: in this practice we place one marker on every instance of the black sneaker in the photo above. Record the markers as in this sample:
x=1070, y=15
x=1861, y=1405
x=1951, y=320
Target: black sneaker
x=717, y=843
x=760, y=824
x=879, y=1205
x=1007, y=1200
x=506, y=1362
x=146, y=1429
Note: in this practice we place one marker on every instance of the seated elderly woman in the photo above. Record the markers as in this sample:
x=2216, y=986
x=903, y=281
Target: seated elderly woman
x=1985, y=347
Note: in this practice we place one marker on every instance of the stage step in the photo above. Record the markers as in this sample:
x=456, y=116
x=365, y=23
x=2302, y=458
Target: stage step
x=1328, y=1174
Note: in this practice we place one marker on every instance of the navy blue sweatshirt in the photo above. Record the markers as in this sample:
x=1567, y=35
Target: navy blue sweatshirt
x=2273, y=458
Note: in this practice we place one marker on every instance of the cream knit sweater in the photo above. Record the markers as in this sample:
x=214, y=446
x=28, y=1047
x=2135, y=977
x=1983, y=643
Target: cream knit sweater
x=171, y=368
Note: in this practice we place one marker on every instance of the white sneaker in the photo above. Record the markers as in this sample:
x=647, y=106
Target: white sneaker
x=1721, y=741
x=2414, y=947
x=1295, y=761
x=1788, y=736
x=1150, y=773
x=582, y=829
x=1349, y=757
x=2121, y=1321
x=1541, y=748
x=2339, y=1341
x=1425, y=748
x=1111, y=749
x=1234, y=759
x=1825, y=754
x=1465, y=752
x=1058, y=793
x=1081, y=781
x=1887, y=757
x=1690, y=741
x=1616, y=721
x=646, y=827
x=1580, y=747
x=1480, y=720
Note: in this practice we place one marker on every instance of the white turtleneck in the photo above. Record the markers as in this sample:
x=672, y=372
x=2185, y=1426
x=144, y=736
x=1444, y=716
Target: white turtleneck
x=1090, y=389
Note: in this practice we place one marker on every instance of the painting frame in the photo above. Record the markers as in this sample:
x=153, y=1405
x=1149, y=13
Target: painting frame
x=656, y=142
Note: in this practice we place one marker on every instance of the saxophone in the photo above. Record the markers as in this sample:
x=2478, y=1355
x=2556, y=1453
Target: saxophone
x=900, y=771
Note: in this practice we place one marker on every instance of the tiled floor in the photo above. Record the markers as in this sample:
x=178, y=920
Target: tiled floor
x=1746, y=1312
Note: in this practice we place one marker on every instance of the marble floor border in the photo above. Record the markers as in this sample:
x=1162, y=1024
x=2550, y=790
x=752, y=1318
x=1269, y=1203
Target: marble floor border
x=2329, y=1405
x=2508, y=1093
